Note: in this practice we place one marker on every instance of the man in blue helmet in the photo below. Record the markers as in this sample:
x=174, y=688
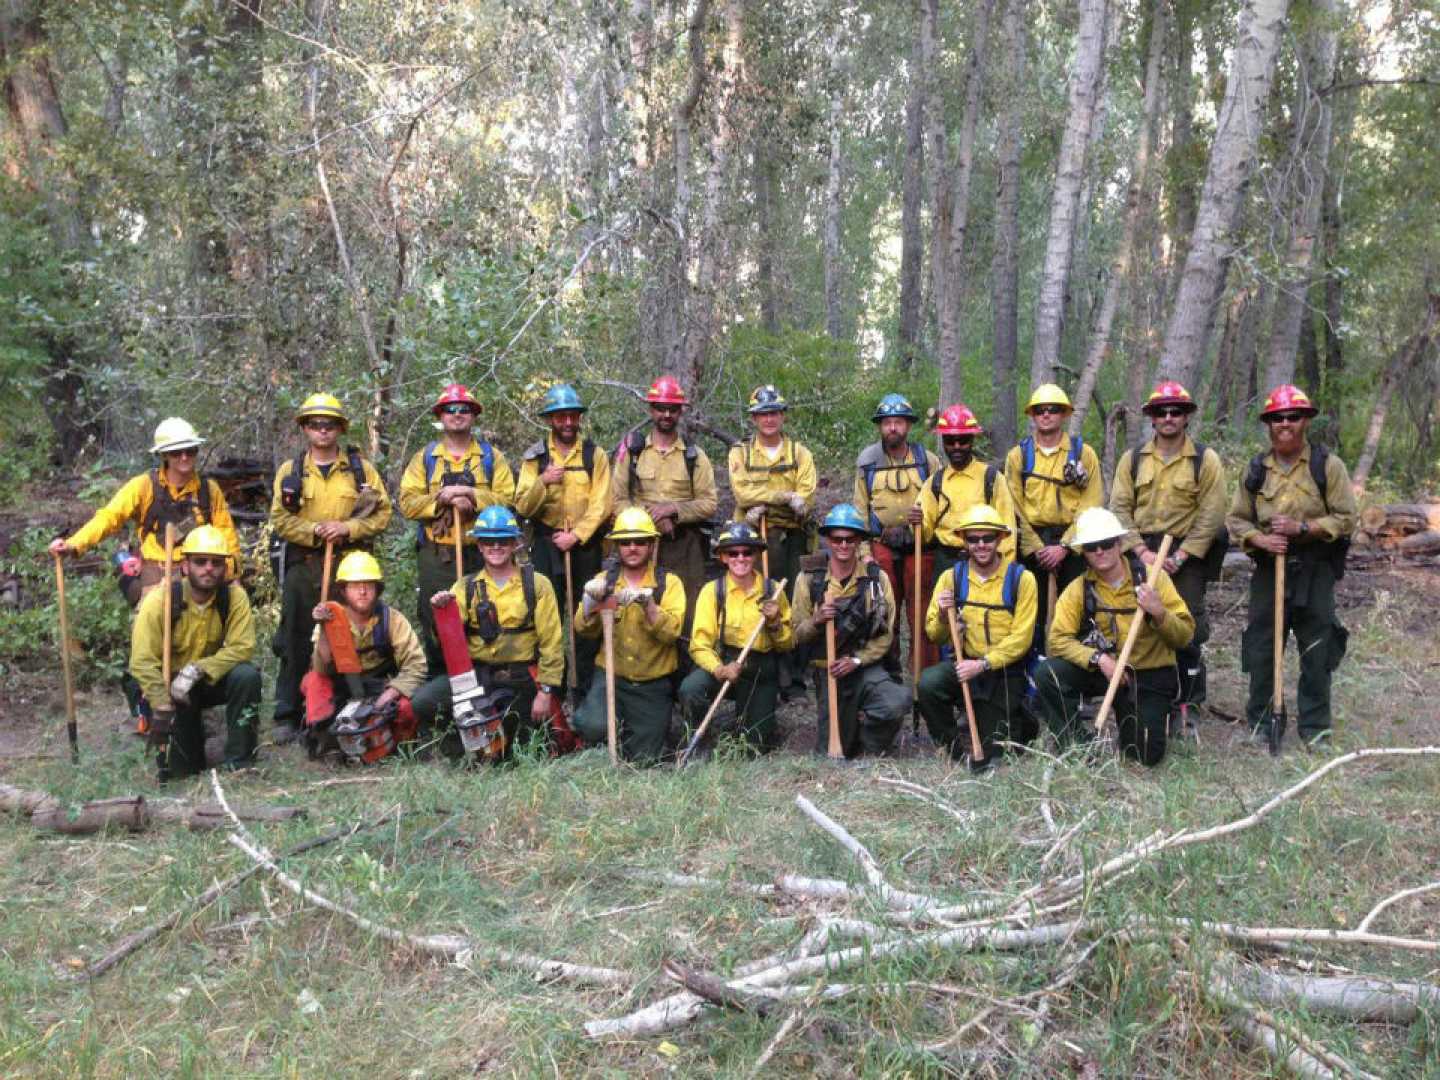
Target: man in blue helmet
x=889, y=476
x=564, y=489
x=862, y=605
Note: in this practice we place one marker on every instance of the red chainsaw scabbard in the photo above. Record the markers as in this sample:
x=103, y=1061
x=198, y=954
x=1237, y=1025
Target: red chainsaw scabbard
x=341, y=642
x=451, y=632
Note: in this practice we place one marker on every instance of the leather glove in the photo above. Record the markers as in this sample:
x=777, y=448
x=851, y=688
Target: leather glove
x=595, y=589
x=1076, y=474
x=182, y=684
x=753, y=516
x=797, y=504
x=588, y=604
x=162, y=722
x=628, y=595
x=898, y=537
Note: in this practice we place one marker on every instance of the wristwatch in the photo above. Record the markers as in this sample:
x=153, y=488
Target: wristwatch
x=1095, y=659
x=1304, y=528
x=545, y=689
x=985, y=664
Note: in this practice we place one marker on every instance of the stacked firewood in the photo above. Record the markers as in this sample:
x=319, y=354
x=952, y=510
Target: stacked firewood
x=1405, y=529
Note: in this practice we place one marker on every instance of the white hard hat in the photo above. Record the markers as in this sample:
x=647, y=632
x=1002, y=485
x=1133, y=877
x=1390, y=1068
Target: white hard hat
x=1094, y=525
x=174, y=433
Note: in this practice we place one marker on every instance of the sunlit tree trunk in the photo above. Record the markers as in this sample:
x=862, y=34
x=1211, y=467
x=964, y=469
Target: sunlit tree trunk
x=1403, y=360
x=834, y=268
x=1005, y=261
x=912, y=197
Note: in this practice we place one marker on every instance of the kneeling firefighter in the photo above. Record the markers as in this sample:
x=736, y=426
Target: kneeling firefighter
x=380, y=660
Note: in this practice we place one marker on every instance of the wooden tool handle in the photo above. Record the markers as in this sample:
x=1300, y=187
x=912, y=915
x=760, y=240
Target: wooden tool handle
x=915, y=613
x=832, y=691
x=1278, y=693
x=1124, y=658
x=1052, y=590
x=570, y=618
x=764, y=548
x=325, y=572
x=612, y=731
x=71, y=730
x=166, y=632
x=977, y=749
x=459, y=547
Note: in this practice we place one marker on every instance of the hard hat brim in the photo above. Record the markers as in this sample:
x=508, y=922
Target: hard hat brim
x=1162, y=403
x=177, y=444
x=1308, y=410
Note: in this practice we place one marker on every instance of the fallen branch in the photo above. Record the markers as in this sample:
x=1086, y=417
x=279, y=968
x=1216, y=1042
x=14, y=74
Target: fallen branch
x=925, y=795
x=1395, y=898
x=893, y=897
x=1354, y=997
x=132, y=812
x=714, y=989
x=774, y=1044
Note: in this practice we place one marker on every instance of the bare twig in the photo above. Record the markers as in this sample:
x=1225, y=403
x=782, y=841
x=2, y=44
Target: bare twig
x=1395, y=898
x=774, y=1044
x=871, y=868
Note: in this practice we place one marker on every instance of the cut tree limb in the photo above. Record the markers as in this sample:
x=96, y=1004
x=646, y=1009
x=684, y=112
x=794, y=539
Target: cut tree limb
x=133, y=812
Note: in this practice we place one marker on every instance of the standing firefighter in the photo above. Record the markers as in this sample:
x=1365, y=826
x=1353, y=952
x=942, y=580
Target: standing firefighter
x=1294, y=502
x=212, y=643
x=651, y=610
x=729, y=609
x=675, y=482
x=995, y=604
x=175, y=493
x=947, y=498
x=773, y=478
x=861, y=604
x=321, y=496
x=889, y=476
x=1092, y=619
x=512, y=629
x=564, y=489
x=444, y=487
x=1052, y=478
x=1175, y=485
x=377, y=657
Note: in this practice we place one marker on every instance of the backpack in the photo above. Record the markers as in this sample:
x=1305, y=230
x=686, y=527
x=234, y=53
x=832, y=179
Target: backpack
x=1092, y=605
x=1319, y=458
x=635, y=446
x=222, y=603
x=293, y=485
x=428, y=458
x=165, y=509
x=539, y=452
x=937, y=486
x=855, y=624
x=869, y=465
x=477, y=594
x=1220, y=543
x=1009, y=593
x=788, y=465
x=1027, y=459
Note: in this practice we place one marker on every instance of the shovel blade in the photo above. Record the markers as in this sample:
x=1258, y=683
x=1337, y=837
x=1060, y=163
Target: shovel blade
x=1277, y=732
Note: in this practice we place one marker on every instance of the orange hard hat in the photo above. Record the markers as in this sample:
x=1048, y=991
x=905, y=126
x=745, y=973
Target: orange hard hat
x=1287, y=398
x=455, y=394
x=1169, y=392
x=666, y=391
x=958, y=420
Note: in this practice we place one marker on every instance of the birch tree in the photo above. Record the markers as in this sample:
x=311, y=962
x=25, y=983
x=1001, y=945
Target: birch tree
x=1005, y=262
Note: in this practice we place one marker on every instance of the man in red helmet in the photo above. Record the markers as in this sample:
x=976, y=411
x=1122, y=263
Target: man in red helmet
x=1294, y=501
x=963, y=483
x=445, y=487
x=672, y=479
x=1176, y=485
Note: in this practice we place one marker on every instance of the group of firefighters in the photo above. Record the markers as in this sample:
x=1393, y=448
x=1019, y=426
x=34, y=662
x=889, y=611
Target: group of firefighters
x=1023, y=583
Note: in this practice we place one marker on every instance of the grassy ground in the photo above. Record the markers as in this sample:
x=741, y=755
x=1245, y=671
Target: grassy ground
x=540, y=858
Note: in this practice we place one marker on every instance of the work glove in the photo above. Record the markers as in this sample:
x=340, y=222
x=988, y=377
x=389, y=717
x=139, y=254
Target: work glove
x=588, y=604
x=754, y=515
x=628, y=595
x=182, y=684
x=1075, y=474
x=797, y=505
x=595, y=589
x=898, y=537
x=162, y=722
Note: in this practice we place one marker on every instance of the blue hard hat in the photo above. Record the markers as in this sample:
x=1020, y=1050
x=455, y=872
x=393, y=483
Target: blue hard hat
x=844, y=516
x=496, y=523
x=738, y=534
x=894, y=405
x=562, y=398
x=765, y=399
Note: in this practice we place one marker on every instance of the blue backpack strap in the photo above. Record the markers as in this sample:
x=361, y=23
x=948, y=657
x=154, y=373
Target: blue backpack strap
x=1027, y=455
x=487, y=461
x=922, y=463
x=381, y=637
x=1010, y=592
x=961, y=570
x=1077, y=446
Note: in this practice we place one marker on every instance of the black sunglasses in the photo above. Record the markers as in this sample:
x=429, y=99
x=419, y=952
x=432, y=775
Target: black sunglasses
x=984, y=539
x=456, y=410
x=959, y=440
x=673, y=410
x=322, y=425
x=207, y=560
x=1048, y=410
x=1170, y=411
x=843, y=539
x=1100, y=545
x=189, y=451
x=633, y=543
x=1285, y=418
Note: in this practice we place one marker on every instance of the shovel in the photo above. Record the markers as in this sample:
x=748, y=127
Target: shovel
x=832, y=694
x=915, y=639
x=977, y=749
x=612, y=734
x=166, y=635
x=1134, y=632
x=1277, y=702
x=325, y=572
x=570, y=623
x=70, y=729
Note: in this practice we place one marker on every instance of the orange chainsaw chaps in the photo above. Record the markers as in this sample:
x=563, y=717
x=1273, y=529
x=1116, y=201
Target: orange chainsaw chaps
x=564, y=739
x=341, y=641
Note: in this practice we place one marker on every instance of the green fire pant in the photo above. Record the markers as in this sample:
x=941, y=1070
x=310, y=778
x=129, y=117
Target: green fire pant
x=435, y=572
x=996, y=696
x=754, y=694
x=431, y=704
x=239, y=691
x=642, y=715
x=292, y=639
x=1141, y=707
x=871, y=690
x=584, y=565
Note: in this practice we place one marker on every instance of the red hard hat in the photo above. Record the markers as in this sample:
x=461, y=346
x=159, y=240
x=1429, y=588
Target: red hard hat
x=455, y=394
x=1169, y=392
x=1287, y=398
x=958, y=420
x=665, y=391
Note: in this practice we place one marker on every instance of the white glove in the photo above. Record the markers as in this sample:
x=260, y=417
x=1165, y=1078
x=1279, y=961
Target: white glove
x=588, y=604
x=797, y=504
x=628, y=595
x=595, y=589
x=182, y=684
x=753, y=516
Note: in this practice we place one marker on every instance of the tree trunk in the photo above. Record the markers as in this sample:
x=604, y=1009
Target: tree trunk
x=1069, y=180
x=1120, y=268
x=764, y=180
x=912, y=195
x=1181, y=164
x=1308, y=158
x=677, y=328
x=1331, y=222
x=1222, y=385
x=1402, y=361
x=1232, y=157
x=1246, y=360
x=834, y=271
x=1005, y=264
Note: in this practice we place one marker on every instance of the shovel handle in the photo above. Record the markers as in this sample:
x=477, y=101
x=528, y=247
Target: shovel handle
x=1278, y=672
x=70, y=729
x=764, y=548
x=459, y=547
x=915, y=615
x=977, y=749
x=612, y=730
x=832, y=692
x=325, y=572
x=1124, y=658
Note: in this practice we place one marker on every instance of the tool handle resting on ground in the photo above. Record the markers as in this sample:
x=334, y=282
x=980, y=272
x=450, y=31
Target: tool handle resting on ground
x=977, y=749
x=570, y=623
x=1052, y=591
x=1277, y=706
x=764, y=548
x=325, y=572
x=70, y=729
x=1124, y=658
x=725, y=686
x=915, y=621
x=167, y=631
x=612, y=734
x=832, y=691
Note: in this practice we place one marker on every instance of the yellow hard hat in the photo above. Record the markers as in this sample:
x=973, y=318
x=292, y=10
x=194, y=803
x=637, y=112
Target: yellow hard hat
x=359, y=566
x=322, y=405
x=634, y=523
x=1048, y=394
x=173, y=434
x=205, y=540
x=1094, y=525
x=982, y=516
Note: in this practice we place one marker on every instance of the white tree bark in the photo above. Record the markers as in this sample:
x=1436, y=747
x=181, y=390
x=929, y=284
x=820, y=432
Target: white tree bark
x=912, y=186
x=1069, y=180
x=1005, y=263
x=1232, y=157
x=834, y=323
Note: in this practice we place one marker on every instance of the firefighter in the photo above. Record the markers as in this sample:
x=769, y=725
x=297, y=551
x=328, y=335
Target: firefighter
x=996, y=602
x=445, y=485
x=674, y=481
x=512, y=625
x=948, y=495
x=212, y=645
x=728, y=610
x=773, y=479
x=1296, y=501
x=1052, y=478
x=889, y=476
x=858, y=599
x=1176, y=485
x=391, y=656
x=174, y=493
x=321, y=495
x=1092, y=619
x=564, y=489
x=650, y=606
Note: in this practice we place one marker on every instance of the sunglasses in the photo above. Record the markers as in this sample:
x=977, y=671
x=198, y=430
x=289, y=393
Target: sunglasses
x=668, y=410
x=322, y=425
x=189, y=451
x=207, y=560
x=847, y=540
x=493, y=543
x=982, y=539
x=456, y=410
x=1048, y=410
x=632, y=543
x=1285, y=418
x=1100, y=545
x=738, y=553
x=959, y=440
x=1169, y=412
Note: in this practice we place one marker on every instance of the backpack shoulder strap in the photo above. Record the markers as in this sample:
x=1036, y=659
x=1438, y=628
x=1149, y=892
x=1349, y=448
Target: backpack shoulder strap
x=203, y=496
x=428, y=460
x=1077, y=447
x=922, y=462
x=1027, y=455
x=381, y=637
x=357, y=467
x=1199, y=460
x=936, y=483
x=1134, y=456
x=991, y=472
x=1319, y=458
x=527, y=586
x=1010, y=591
x=961, y=572
x=487, y=460
x=587, y=457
